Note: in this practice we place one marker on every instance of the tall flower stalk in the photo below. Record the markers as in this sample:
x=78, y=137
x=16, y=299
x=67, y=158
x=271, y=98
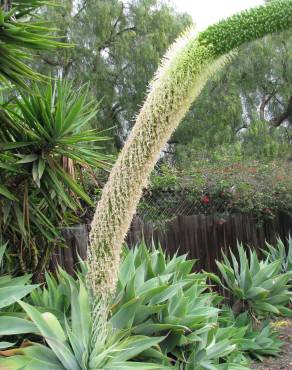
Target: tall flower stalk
x=183, y=73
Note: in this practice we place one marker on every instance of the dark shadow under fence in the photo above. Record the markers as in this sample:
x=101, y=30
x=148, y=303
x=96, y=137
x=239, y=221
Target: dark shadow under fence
x=202, y=237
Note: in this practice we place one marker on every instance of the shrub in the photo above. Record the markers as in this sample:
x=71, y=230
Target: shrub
x=252, y=187
x=163, y=316
x=21, y=30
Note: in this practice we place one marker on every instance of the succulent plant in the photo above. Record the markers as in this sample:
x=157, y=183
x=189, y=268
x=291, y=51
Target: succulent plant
x=183, y=73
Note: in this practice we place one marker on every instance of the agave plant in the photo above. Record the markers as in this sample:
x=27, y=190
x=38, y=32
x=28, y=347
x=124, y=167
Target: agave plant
x=260, y=341
x=281, y=253
x=55, y=294
x=11, y=290
x=258, y=285
x=85, y=342
x=215, y=352
x=19, y=32
x=44, y=149
x=255, y=340
x=161, y=296
x=183, y=73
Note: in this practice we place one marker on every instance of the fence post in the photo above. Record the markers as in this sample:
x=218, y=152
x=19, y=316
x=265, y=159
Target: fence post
x=75, y=240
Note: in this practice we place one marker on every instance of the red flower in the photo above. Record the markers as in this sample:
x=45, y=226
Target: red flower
x=205, y=199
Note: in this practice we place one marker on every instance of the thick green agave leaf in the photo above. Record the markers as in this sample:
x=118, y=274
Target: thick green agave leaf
x=260, y=284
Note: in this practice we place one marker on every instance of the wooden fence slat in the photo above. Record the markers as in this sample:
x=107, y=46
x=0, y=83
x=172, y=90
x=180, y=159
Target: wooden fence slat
x=201, y=236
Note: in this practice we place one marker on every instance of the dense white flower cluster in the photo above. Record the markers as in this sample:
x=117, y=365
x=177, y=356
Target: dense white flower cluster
x=179, y=80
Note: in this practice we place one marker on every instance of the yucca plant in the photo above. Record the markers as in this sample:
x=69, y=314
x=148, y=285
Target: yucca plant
x=19, y=33
x=84, y=342
x=280, y=253
x=45, y=145
x=161, y=296
x=258, y=286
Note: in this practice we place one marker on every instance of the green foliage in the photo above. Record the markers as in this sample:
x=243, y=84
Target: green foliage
x=260, y=143
x=55, y=294
x=255, y=340
x=274, y=17
x=12, y=290
x=258, y=286
x=17, y=34
x=163, y=316
x=160, y=296
x=83, y=342
x=45, y=146
x=253, y=91
x=256, y=188
x=118, y=48
x=261, y=342
x=280, y=253
x=210, y=349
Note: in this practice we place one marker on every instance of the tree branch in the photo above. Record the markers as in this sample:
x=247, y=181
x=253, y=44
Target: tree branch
x=51, y=62
x=80, y=10
x=265, y=100
x=112, y=39
x=277, y=121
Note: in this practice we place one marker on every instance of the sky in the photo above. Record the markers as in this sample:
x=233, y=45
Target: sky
x=206, y=12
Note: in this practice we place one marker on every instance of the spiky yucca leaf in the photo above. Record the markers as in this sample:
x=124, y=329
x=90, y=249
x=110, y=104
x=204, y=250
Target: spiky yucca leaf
x=45, y=146
x=19, y=33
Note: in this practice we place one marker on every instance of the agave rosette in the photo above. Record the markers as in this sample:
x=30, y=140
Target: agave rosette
x=258, y=285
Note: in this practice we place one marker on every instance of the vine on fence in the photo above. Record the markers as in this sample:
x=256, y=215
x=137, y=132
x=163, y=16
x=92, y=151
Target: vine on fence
x=260, y=189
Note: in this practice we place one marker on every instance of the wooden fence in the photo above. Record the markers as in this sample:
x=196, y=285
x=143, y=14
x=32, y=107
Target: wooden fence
x=76, y=238
x=201, y=237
